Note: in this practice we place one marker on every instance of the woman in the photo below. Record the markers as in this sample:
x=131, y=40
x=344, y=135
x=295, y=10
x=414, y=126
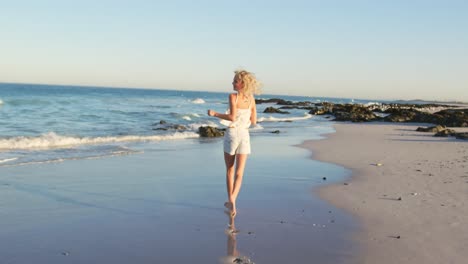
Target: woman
x=241, y=114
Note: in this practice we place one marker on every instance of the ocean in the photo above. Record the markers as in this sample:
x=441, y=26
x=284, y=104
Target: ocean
x=83, y=166
x=52, y=123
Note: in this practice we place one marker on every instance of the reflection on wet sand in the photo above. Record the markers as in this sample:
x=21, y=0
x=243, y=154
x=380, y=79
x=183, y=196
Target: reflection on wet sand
x=233, y=255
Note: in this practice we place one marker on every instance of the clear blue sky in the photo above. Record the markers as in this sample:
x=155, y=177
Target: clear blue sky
x=358, y=49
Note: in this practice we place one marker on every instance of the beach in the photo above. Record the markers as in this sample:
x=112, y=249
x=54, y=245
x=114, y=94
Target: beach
x=121, y=175
x=408, y=189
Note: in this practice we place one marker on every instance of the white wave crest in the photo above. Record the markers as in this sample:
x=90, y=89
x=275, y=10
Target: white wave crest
x=187, y=118
x=52, y=140
x=7, y=160
x=195, y=115
x=373, y=103
x=275, y=119
x=198, y=101
x=58, y=160
x=256, y=127
x=196, y=126
x=1, y=102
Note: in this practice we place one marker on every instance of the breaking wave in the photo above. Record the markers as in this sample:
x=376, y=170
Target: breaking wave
x=286, y=119
x=52, y=140
x=198, y=101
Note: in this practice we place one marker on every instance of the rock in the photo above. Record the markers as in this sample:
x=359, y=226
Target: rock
x=461, y=135
x=163, y=125
x=445, y=133
x=353, y=112
x=318, y=111
x=437, y=128
x=400, y=115
x=207, y=131
x=271, y=109
x=272, y=100
x=275, y=132
x=297, y=107
x=453, y=117
x=282, y=102
x=447, y=117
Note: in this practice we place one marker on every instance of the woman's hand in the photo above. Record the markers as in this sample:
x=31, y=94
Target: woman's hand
x=211, y=112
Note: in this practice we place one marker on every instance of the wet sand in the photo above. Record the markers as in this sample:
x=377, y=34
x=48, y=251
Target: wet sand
x=165, y=205
x=408, y=189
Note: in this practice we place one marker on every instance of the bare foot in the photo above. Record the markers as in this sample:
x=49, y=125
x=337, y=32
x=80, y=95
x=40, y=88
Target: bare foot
x=228, y=205
x=231, y=207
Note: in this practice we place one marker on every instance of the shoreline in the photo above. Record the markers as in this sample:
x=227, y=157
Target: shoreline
x=407, y=189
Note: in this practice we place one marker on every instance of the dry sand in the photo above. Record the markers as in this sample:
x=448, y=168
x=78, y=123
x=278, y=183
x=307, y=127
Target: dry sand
x=429, y=223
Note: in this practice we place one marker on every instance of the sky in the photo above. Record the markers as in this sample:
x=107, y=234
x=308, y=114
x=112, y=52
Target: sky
x=396, y=49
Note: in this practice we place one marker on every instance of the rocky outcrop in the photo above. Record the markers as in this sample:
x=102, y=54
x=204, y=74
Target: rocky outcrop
x=463, y=135
x=441, y=131
x=448, y=117
x=452, y=117
x=395, y=112
x=347, y=112
x=445, y=133
x=272, y=100
x=410, y=115
x=354, y=113
x=422, y=107
x=208, y=131
x=431, y=129
x=318, y=111
x=271, y=109
x=163, y=125
x=282, y=102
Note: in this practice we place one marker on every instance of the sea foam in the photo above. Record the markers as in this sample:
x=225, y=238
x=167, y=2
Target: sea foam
x=196, y=126
x=276, y=119
x=7, y=160
x=57, y=160
x=52, y=140
x=198, y=101
x=256, y=127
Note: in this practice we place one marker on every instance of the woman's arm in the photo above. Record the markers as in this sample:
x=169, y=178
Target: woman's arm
x=232, y=110
x=253, y=116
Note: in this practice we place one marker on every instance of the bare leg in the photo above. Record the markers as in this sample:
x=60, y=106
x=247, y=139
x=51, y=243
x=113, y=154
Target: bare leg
x=240, y=165
x=229, y=160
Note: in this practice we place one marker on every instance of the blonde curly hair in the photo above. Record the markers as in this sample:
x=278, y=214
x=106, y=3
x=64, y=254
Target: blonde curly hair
x=251, y=84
